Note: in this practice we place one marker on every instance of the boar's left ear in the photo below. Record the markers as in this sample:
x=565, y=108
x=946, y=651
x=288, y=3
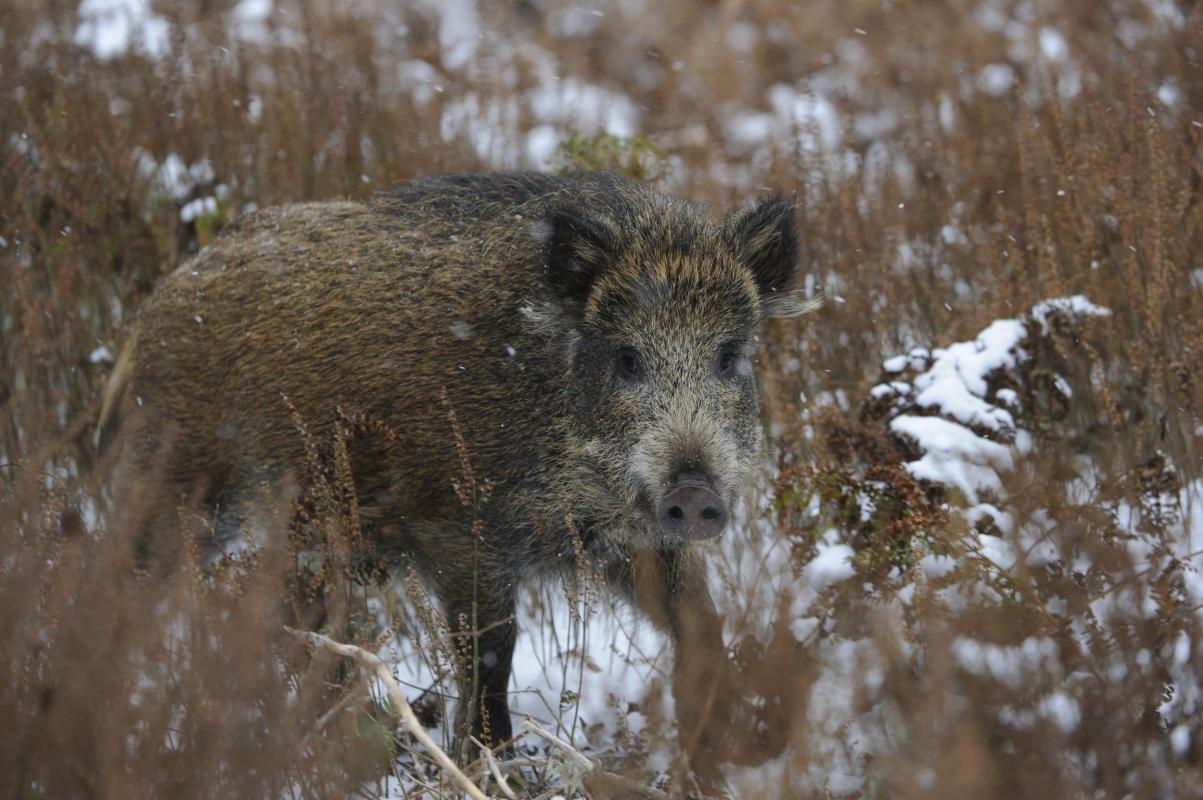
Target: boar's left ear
x=765, y=240
x=578, y=248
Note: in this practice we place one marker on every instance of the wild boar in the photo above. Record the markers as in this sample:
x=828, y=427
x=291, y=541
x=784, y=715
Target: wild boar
x=591, y=339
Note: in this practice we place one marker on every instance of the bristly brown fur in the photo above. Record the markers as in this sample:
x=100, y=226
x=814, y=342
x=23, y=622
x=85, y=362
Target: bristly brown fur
x=477, y=316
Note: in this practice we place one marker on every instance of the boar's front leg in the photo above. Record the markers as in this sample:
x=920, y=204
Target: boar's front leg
x=480, y=615
x=669, y=586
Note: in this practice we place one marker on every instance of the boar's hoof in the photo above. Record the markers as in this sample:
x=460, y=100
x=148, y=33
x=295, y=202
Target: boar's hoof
x=691, y=510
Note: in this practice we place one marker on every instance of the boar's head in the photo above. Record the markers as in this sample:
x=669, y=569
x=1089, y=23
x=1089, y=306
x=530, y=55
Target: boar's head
x=663, y=306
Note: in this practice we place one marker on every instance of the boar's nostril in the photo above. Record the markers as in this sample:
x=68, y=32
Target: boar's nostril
x=691, y=510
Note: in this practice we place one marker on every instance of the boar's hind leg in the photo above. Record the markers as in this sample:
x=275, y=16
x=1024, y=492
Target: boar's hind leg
x=670, y=588
x=483, y=633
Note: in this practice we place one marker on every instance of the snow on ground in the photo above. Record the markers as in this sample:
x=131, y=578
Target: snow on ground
x=200, y=207
x=491, y=123
x=511, y=129
x=573, y=673
x=249, y=19
x=578, y=667
x=805, y=118
x=506, y=128
x=172, y=176
x=459, y=30
x=111, y=28
x=101, y=355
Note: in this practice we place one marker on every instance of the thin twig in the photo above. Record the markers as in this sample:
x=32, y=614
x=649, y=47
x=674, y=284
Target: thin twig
x=371, y=663
x=577, y=755
x=491, y=760
x=342, y=703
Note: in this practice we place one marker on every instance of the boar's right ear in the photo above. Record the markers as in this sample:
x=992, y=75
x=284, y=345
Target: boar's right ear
x=577, y=249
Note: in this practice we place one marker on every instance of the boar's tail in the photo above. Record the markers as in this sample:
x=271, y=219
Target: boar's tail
x=116, y=389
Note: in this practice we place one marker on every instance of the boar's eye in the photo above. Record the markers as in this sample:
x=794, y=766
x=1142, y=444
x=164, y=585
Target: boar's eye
x=728, y=364
x=628, y=364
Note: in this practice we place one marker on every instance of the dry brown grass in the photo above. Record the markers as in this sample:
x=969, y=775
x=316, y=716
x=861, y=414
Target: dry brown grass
x=116, y=684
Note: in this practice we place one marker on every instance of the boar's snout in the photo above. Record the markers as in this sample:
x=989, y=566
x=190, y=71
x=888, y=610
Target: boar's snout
x=691, y=510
